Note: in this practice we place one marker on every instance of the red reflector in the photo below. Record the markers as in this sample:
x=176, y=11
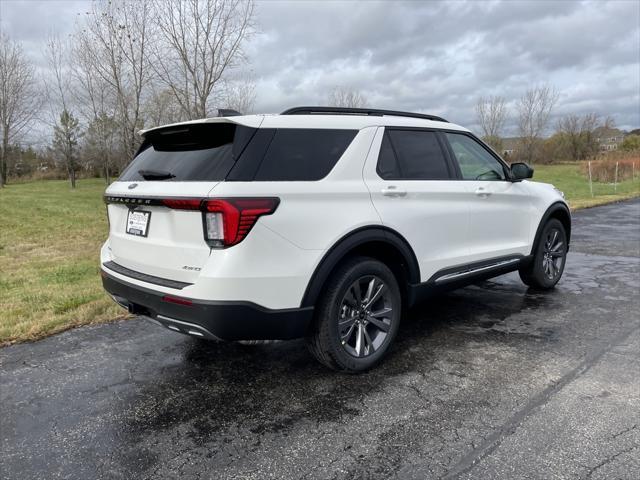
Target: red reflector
x=183, y=203
x=177, y=300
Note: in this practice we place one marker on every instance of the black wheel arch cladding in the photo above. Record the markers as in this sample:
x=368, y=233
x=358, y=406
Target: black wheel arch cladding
x=378, y=242
x=560, y=211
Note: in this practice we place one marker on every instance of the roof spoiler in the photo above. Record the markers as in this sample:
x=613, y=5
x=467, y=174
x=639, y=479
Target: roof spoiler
x=223, y=114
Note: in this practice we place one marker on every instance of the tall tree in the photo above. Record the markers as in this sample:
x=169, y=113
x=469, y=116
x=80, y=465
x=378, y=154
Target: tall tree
x=534, y=109
x=57, y=88
x=346, y=97
x=19, y=98
x=99, y=107
x=201, y=40
x=100, y=145
x=240, y=95
x=577, y=132
x=66, y=135
x=161, y=108
x=115, y=41
x=491, y=113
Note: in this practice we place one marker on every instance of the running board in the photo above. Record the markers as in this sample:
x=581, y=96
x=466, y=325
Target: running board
x=463, y=275
x=470, y=271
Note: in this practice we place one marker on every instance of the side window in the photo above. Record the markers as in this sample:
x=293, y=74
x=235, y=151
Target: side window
x=411, y=155
x=475, y=162
x=297, y=154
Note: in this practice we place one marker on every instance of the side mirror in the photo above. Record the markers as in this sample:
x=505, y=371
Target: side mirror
x=520, y=171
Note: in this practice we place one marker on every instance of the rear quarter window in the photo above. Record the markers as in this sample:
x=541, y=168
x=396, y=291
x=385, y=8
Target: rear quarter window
x=303, y=154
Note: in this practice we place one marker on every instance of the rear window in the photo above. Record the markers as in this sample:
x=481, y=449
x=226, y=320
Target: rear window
x=411, y=155
x=303, y=154
x=189, y=153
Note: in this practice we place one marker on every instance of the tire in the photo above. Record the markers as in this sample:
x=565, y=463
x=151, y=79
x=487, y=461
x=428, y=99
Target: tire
x=549, y=258
x=347, y=334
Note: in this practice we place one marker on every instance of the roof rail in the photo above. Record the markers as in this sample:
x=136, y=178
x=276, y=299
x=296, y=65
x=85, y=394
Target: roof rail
x=357, y=111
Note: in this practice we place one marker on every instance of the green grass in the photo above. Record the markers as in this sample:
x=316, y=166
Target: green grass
x=50, y=237
x=570, y=179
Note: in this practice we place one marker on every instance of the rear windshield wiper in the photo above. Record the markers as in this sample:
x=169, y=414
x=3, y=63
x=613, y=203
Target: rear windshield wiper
x=156, y=174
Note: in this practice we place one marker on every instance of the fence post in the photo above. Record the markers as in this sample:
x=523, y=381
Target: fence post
x=615, y=182
x=590, y=181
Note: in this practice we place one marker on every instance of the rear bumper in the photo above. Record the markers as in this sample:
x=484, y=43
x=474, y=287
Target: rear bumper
x=223, y=320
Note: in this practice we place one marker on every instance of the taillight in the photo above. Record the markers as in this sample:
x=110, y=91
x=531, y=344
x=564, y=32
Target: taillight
x=183, y=203
x=227, y=221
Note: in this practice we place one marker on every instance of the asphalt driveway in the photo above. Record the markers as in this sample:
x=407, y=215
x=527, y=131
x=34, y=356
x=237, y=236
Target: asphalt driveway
x=491, y=381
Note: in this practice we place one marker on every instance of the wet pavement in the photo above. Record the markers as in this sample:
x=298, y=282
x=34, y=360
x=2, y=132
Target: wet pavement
x=492, y=381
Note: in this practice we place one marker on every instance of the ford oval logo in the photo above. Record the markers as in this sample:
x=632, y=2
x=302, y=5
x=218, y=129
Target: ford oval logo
x=132, y=186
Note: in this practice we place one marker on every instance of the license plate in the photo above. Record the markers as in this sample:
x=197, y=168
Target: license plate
x=138, y=222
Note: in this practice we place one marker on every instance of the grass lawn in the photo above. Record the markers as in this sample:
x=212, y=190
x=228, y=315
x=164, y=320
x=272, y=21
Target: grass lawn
x=50, y=238
x=570, y=179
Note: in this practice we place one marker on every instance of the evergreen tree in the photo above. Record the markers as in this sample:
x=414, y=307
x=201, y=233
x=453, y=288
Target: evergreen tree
x=65, y=143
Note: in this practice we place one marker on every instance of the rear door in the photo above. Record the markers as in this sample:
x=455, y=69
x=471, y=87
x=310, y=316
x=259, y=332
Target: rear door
x=413, y=188
x=499, y=210
x=175, y=163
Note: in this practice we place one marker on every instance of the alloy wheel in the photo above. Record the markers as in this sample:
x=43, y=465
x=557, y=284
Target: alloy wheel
x=554, y=254
x=365, y=316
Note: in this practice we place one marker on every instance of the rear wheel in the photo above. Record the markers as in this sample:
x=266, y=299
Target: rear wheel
x=357, y=317
x=549, y=258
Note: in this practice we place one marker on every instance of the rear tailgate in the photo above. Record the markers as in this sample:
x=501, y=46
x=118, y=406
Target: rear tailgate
x=173, y=246
x=179, y=162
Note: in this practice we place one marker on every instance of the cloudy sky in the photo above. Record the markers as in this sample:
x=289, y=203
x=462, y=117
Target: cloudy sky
x=421, y=56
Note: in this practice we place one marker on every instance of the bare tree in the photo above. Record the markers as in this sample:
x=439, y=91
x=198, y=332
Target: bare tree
x=57, y=88
x=115, y=38
x=578, y=134
x=240, y=95
x=201, y=41
x=99, y=107
x=66, y=129
x=346, y=97
x=101, y=144
x=491, y=113
x=162, y=108
x=534, y=109
x=19, y=97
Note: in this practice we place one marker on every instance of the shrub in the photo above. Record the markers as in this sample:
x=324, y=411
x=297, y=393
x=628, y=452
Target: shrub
x=604, y=169
x=631, y=142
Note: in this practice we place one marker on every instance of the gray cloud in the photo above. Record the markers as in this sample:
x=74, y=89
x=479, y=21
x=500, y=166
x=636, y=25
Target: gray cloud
x=421, y=56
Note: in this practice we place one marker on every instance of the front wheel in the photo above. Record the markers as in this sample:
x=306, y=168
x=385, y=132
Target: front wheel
x=357, y=317
x=549, y=258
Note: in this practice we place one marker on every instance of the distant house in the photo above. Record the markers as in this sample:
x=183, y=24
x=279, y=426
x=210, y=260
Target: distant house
x=509, y=146
x=608, y=139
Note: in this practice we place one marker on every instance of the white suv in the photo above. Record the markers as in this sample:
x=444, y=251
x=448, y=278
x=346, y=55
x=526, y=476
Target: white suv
x=324, y=223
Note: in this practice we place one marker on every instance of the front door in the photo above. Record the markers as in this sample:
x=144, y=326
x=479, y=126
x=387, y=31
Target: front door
x=413, y=188
x=499, y=210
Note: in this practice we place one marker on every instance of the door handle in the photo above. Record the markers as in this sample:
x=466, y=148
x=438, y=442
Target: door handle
x=482, y=192
x=393, y=191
